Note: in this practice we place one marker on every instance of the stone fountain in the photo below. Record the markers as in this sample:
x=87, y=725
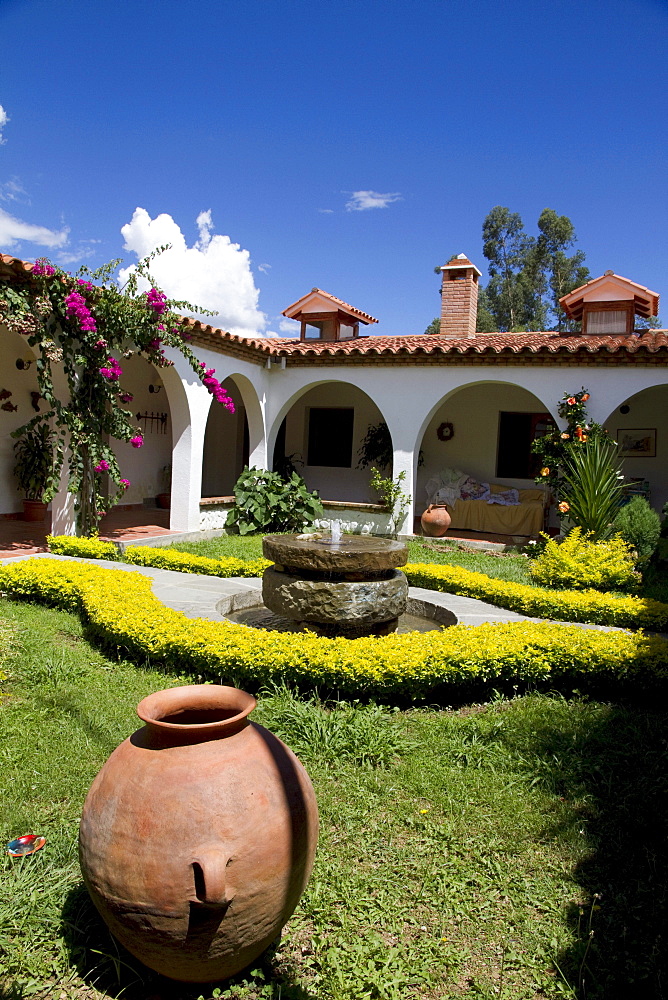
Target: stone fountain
x=336, y=585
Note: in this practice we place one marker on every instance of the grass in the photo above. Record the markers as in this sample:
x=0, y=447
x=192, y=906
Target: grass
x=463, y=854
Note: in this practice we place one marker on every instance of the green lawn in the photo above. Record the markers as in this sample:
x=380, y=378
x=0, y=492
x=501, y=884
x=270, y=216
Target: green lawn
x=462, y=853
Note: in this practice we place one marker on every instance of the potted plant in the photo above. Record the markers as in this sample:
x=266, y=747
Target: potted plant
x=164, y=498
x=34, y=469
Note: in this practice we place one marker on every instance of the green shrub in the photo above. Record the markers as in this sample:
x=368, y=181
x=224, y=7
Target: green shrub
x=580, y=563
x=640, y=526
x=265, y=502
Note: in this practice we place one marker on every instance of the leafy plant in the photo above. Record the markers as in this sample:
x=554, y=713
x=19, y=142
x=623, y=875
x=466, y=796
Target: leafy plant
x=580, y=562
x=592, y=486
x=266, y=502
x=640, y=526
x=36, y=465
x=392, y=497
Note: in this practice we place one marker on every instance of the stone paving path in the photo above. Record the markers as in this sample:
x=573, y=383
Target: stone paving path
x=212, y=597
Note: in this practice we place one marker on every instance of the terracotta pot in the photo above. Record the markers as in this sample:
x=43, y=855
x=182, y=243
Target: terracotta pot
x=198, y=835
x=435, y=521
x=164, y=500
x=34, y=510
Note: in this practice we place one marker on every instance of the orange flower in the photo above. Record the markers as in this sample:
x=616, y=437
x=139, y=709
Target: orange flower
x=583, y=438
x=585, y=397
x=565, y=437
x=545, y=471
x=564, y=507
x=578, y=433
x=571, y=401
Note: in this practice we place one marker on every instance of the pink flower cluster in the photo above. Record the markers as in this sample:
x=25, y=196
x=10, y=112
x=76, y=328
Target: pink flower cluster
x=137, y=441
x=124, y=483
x=42, y=268
x=127, y=397
x=157, y=301
x=113, y=370
x=102, y=465
x=215, y=388
x=75, y=306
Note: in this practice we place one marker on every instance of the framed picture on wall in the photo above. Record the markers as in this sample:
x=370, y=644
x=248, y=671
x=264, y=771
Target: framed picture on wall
x=635, y=443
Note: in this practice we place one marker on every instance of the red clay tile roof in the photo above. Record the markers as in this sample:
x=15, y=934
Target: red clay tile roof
x=483, y=345
x=491, y=344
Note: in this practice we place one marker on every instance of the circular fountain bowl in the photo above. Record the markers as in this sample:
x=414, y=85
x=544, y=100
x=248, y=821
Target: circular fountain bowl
x=351, y=554
x=335, y=602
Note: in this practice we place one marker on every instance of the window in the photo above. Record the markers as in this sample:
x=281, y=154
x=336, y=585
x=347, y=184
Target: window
x=517, y=432
x=313, y=331
x=346, y=331
x=608, y=321
x=330, y=436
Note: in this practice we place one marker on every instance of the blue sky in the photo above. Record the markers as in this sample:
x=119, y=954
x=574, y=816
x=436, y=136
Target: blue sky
x=348, y=145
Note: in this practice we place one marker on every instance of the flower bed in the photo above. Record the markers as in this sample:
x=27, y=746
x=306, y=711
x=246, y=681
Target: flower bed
x=121, y=611
x=588, y=606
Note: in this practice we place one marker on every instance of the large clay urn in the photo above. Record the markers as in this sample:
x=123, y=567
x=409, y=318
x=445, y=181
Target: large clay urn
x=198, y=835
x=435, y=521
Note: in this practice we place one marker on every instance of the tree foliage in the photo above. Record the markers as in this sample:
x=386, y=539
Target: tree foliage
x=527, y=274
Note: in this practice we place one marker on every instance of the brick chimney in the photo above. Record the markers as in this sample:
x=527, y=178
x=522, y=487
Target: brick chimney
x=459, y=297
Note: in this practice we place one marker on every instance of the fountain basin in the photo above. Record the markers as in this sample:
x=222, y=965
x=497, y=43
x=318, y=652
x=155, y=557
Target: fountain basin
x=336, y=585
x=329, y=602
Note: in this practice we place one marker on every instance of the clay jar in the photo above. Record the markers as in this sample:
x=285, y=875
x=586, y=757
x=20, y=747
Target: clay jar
x=435, y=521
x=198, y=835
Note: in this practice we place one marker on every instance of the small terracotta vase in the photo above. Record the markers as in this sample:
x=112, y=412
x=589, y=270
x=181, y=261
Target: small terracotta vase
x=435, y=521
x=198, y=835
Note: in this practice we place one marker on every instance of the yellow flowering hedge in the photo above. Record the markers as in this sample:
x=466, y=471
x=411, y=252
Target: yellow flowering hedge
x=540, y=602
x=589, y=606
x=85, y=548
x=143, y=555
x=121, y=611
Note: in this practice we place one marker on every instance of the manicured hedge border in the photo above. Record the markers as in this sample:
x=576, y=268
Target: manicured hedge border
x=121, y=611
x=588, y=606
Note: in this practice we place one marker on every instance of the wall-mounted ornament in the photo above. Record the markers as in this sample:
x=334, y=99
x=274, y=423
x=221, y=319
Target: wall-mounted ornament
x=23, y=364
x=9, y=407
x=5, y=393
x=154, y=423
x=34, y=400
x=445, y=432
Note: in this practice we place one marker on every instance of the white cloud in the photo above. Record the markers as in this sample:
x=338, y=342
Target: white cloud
x=13, y=230
x=326, y=211
x=4, y=118
x=214, y=273
x=289, y=326
x=360, y=201
x=13, y=190
x=264, y=268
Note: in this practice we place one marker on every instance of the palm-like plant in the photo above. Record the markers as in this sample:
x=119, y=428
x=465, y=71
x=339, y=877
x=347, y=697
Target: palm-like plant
x=593, y=483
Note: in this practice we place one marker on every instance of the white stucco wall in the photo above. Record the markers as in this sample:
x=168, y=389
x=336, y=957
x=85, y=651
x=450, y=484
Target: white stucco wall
x=647, y=410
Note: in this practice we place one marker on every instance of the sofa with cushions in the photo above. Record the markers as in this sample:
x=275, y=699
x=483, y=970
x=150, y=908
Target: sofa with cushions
x=490, y=508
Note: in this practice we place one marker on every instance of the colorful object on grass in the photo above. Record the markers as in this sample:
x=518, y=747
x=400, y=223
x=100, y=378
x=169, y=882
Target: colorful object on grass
x=21, y=847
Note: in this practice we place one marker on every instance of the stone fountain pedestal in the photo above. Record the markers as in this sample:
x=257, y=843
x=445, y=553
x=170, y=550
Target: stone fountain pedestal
x=336, y=587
